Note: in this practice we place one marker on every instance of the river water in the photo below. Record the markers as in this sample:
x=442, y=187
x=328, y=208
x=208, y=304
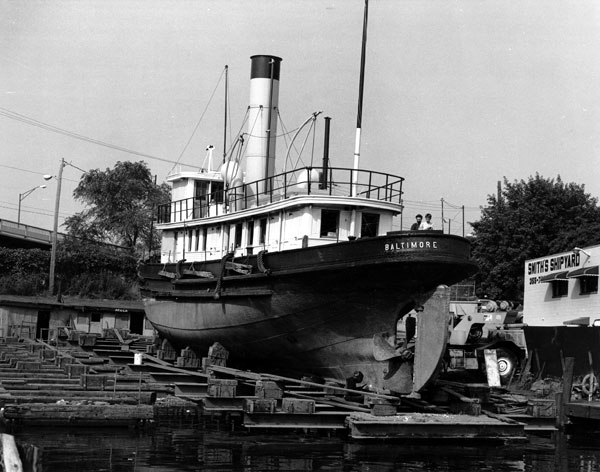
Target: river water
x=198, y=448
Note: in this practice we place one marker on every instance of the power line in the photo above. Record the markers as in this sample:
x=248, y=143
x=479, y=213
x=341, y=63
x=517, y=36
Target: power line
x=40, y=124
x=32, y=171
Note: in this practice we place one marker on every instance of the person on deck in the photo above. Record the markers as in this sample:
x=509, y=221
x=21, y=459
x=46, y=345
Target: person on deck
x=427, y=224
x=415, y=225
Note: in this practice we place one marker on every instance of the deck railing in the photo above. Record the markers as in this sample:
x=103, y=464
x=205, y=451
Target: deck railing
x=303, y=181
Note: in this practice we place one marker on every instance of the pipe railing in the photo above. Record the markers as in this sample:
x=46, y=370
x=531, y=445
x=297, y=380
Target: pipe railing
x=303, y=181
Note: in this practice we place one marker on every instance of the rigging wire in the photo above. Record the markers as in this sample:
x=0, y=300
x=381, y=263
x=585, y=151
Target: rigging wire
x=200, y=119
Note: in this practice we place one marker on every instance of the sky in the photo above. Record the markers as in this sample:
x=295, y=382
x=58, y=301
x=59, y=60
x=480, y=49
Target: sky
x=459, y=94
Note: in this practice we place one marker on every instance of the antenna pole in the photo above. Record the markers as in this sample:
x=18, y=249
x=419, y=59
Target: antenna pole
x=360, y=100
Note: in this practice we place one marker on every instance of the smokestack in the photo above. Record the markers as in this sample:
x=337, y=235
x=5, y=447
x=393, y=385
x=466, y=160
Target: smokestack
x=325, y=175
x=262, y=120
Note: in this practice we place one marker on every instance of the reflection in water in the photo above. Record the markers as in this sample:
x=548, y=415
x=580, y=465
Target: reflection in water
x=187, y=449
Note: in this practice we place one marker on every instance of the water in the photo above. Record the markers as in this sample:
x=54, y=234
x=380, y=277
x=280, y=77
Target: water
x=170, y=449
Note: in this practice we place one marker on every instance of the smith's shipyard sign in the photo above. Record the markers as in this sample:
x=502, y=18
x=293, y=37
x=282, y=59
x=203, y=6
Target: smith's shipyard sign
x=550, y=264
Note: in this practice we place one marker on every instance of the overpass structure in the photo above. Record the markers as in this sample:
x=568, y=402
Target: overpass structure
x=18, y=235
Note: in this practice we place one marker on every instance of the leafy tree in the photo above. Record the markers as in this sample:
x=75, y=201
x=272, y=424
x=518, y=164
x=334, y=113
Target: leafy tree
x=94, y=270
x=120, y=206
x=530, y=219
x=24, y=271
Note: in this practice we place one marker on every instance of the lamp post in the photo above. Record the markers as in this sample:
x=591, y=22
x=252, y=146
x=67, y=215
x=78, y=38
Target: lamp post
x=55, y=229
x=22, y=197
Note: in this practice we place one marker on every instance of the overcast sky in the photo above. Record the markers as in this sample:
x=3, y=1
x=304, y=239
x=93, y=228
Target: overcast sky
x=458, y=94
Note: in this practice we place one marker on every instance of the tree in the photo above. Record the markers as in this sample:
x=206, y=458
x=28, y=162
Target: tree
x=120, y=204
x=530, y=219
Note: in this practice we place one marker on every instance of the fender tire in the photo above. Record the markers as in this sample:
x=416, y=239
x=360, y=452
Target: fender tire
x=508, y=363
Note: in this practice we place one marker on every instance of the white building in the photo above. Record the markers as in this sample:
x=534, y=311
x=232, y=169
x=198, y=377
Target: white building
x=562, y=289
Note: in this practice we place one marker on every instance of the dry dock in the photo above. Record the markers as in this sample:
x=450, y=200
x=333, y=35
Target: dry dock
x=113, y=383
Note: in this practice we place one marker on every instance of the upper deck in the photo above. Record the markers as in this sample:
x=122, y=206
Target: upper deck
x=212, y=199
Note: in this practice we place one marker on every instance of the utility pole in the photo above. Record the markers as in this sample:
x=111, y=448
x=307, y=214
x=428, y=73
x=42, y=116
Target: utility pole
x=55, y=230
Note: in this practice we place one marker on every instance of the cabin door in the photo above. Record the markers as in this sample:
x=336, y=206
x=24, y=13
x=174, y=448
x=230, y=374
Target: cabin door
x=136, y=323
x=43, y=324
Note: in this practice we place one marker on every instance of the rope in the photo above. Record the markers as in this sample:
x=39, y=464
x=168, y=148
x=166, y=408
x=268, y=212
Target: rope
x=224, y=260
x=261, y=263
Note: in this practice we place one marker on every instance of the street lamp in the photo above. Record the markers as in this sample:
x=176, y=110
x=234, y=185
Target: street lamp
x=22, y=197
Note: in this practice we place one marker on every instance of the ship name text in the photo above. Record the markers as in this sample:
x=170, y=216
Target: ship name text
x=403, y=245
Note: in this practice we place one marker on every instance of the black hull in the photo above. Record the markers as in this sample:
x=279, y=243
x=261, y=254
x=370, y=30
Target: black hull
x=310, y=310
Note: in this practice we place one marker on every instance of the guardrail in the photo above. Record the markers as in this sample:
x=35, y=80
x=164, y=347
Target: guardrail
x=21, y=231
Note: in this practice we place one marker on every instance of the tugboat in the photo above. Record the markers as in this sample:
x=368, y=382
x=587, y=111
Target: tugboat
x=299, y=271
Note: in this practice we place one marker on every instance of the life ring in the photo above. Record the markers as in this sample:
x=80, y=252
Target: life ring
x=589, y=384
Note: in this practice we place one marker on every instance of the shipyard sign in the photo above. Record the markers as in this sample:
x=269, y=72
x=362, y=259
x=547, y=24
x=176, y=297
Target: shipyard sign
x=397, y=246
x=536, y=269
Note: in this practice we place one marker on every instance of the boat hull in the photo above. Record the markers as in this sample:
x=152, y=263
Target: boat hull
x=312, y=310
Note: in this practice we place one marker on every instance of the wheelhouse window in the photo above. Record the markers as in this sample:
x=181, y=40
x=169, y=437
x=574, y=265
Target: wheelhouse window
x=560, y=288
x=200, y=195
x=217, y=192
x=369, y=225
x=329, y=223
x=588, y=285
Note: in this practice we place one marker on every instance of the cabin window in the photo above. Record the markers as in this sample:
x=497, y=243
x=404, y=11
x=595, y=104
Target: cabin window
x=263, y=231
x=250, y=229
x=560, y=288
x=238, y=235
x=588, y=285
x=96, y=317
x=190, y=237
x=369, y=225
x=329, y=223
x=197, y=245
x=204, y=237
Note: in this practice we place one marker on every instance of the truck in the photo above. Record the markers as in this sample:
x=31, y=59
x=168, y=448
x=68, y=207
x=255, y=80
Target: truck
x=483, y=324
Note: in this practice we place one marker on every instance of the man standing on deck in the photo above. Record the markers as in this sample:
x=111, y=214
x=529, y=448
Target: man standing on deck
x=415, y=226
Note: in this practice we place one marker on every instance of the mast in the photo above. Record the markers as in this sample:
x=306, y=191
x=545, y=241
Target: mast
x=360, y=100
x=225, y=119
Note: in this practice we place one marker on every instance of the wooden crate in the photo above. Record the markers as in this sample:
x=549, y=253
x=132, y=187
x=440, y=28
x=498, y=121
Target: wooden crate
x=541, y=408
x=267, y=389
x=221, y=388
x=260, y=405
x=297, y=406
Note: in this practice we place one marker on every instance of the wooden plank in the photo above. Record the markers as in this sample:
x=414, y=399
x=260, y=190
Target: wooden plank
x=319, y=420
x=105, y=415
x=583, y=410
x=10, y=454
x=262, y=376
x=432, y=427
x=491, y=367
